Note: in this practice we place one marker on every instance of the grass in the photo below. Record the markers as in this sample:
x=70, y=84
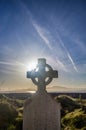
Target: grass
x=74, y=120
x=73, y=113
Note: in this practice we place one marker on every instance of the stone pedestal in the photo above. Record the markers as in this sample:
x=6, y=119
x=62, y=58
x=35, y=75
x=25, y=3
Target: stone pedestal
x=41, y=112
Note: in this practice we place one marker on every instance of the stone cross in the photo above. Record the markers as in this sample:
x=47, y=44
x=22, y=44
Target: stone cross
x=42, y=75
x=41, y=112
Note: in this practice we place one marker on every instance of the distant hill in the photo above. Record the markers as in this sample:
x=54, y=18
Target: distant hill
x=66, y=89
x=57, y=89
x=26, y=95
x=49, y=89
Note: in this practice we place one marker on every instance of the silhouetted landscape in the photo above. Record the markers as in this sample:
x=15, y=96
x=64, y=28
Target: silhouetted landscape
x=26, y=95
x=73, y=110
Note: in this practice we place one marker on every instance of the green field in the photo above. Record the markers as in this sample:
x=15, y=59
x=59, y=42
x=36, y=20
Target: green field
x=73, y=113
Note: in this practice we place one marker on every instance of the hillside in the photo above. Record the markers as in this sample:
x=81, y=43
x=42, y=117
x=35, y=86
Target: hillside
x=73, y=112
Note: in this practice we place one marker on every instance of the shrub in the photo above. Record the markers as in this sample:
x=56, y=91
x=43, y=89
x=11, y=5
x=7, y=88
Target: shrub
x=68, y=104
x=75, y=120
x=11, y=127
x=84, y=128
x=19, y=122
x=7, y=114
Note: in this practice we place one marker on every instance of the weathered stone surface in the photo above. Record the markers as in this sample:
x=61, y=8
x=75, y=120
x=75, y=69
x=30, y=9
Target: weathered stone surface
x=41, y=113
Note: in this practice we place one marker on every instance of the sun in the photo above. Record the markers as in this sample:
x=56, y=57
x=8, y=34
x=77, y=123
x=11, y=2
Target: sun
x=31, y=65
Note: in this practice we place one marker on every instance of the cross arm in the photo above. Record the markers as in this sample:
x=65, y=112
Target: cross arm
x=52, y=74
x=31, y=74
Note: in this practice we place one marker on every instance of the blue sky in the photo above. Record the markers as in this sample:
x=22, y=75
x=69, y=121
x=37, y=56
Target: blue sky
x=52, y=29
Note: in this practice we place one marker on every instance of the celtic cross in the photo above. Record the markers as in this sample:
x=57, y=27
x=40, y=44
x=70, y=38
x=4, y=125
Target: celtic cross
x=42, y=75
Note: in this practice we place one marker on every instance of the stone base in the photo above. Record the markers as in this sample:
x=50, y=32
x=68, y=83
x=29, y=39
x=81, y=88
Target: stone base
x=41, y=112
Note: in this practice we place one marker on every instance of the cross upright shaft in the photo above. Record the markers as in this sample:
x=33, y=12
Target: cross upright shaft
x=42, y=75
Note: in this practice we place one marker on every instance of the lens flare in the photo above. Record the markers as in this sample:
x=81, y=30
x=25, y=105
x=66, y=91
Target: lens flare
x=32, y=65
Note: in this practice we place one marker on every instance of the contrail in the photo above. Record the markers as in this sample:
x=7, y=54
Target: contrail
x=39, y=29
x=68, y=54
x=42, y=35
x=56, y=62
x=72, y=61
x=47, y=42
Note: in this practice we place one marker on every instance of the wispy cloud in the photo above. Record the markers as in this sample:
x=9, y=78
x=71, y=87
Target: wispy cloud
x=2, y=82
x=79, y=43
x=6, y=63
x=61, y=65
x=72, y=61
x=55, y=62
x=68, y=54
x=38, y=28
x=13, y=63
x=42, y=34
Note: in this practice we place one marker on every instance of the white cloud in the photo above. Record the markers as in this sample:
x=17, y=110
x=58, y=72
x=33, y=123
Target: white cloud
x=57, y=64
x=41, y=33
x=61, y=65
x=6, y=63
